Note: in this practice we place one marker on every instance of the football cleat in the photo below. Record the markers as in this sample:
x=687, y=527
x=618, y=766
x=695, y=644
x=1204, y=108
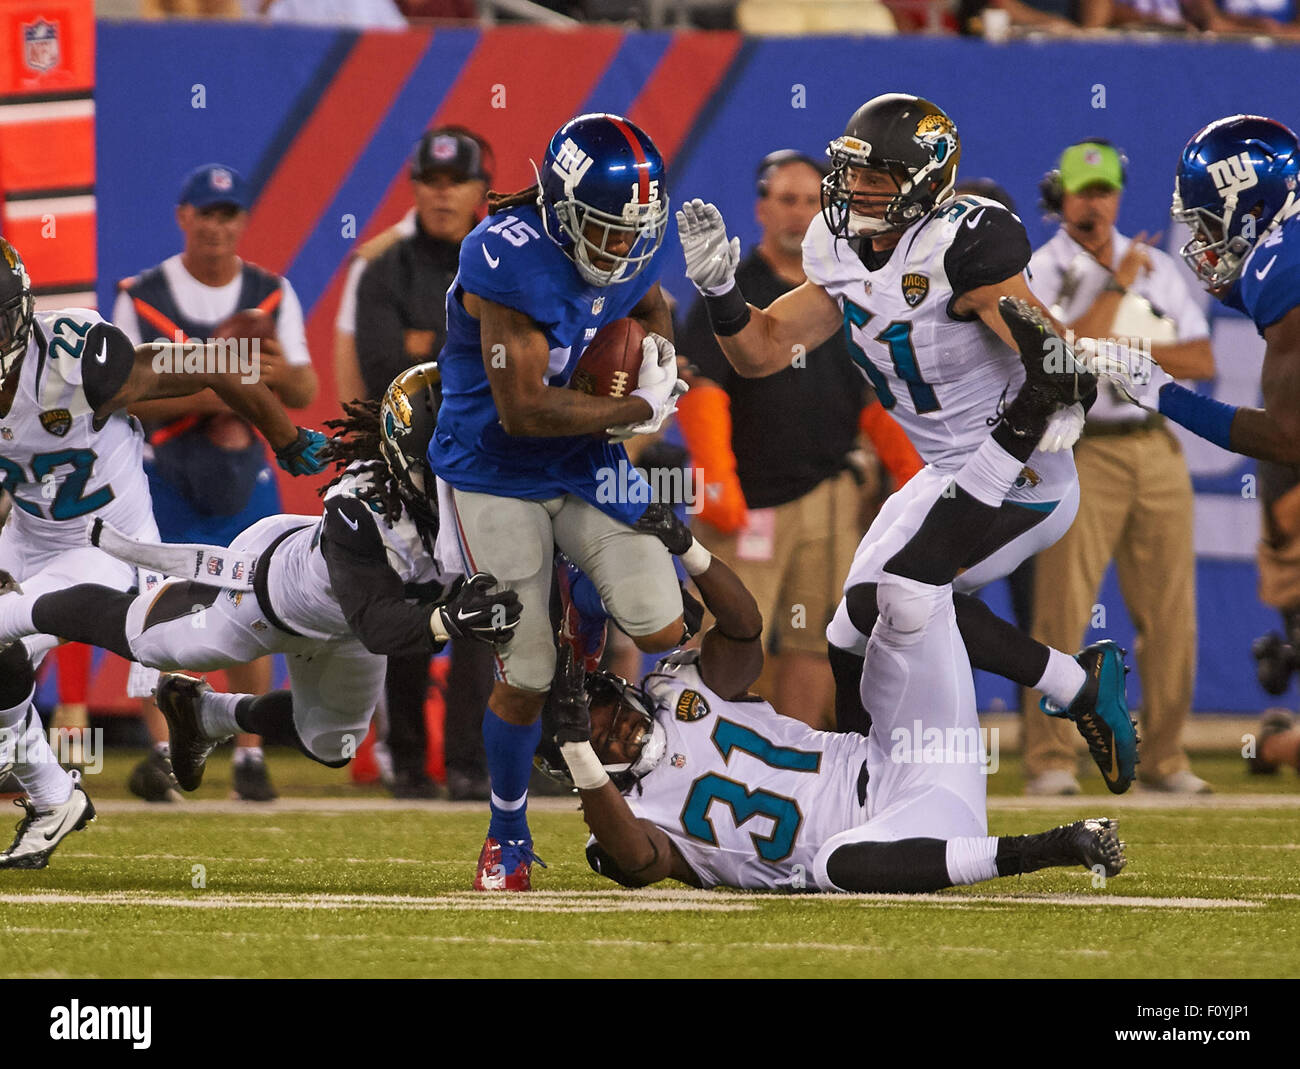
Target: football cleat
x=40, y=832
x=1052, y=370
x=1091, y=843
x=177, y=697
x=506, y=866
x=251, y=782
x=1274, y=722
x=1100, y=712
x=152, y=779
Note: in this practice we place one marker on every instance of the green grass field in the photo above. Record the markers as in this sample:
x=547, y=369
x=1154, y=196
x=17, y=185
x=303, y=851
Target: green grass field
x=340, y=881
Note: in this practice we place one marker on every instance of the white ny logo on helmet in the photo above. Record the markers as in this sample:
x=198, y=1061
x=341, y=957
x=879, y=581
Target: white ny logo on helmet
x=571, y=163
x=1233, y=175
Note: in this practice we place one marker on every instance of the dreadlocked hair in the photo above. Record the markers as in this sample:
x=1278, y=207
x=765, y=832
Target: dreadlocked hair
x=356, y=441
x=501, y=202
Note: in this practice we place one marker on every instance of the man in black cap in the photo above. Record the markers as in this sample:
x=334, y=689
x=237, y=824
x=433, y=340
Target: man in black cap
x=401, y=319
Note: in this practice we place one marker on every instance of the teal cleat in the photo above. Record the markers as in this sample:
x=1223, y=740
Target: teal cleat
x=1100, y=712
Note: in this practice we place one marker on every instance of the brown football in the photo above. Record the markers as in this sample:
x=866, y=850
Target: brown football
x=248, y=323
x=610, y=364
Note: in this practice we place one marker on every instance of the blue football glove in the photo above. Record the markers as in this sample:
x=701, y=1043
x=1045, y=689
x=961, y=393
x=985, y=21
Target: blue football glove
x=302, y=455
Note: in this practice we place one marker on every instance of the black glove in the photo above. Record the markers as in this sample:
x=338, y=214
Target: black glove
x=570, y=716
x=661, y=521
x=302, y=455
x=471, y=610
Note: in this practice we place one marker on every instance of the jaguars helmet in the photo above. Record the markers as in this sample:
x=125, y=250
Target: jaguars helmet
x=910, y=138
x=603, y=176
x=408, y=415
x=17, y=308
x=632, y=719
x=1237, y=181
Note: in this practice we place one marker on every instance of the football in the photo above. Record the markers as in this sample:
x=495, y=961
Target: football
x=247, y=323
x=611, y=362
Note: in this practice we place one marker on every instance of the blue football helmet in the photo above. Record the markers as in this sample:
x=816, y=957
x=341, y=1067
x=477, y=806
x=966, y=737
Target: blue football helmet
x=603, y=197
x=1237, y=181
x=17, y=308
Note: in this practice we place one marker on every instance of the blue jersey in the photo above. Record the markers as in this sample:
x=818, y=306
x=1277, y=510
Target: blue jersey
x=1269, y=285
x=510, y=260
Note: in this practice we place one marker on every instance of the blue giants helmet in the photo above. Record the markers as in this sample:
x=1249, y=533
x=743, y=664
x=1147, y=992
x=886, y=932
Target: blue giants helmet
x=1237, y=181
x=601, y=186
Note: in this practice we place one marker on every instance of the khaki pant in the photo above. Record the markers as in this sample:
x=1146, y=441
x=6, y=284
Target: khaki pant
x=798, y=587
x=1135, y=508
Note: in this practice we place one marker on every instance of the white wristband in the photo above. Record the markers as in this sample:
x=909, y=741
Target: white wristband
x=584, y=766
x=697, y=559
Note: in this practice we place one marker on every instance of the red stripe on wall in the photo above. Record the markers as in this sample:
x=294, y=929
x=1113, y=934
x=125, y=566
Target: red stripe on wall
x=327, y=148
x=681, y=85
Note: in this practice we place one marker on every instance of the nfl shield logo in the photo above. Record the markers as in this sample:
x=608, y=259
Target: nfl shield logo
x=216, y=565
x=597, y=305
x=444, y=148
x=41, y=45
x=58, y=421
x=915, y=287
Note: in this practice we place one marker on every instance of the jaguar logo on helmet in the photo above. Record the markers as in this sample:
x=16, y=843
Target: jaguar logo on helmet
x=399, y=406
x=58, y=421
x=938, y=133
x=915, y=288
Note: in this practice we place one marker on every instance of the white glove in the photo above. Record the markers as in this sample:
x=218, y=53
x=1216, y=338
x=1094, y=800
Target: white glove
x=658, y=372
x=1063, y=429
x=649, y=426
x=711, y=260
x=1135, y=378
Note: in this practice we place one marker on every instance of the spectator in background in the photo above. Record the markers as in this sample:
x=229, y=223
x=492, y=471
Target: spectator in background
x=1273, y=18
x=1058, y=17
x=358, y=14
x=209, y=476
x=1136, y=505
x=401, y=320
x=191, y=9
x=782, y=486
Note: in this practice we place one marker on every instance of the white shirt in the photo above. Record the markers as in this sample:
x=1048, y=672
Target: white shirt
x=212, y=304
x=346, y=319
x=1067, y=279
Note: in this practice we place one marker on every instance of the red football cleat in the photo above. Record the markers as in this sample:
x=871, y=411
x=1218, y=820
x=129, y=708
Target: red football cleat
x=506, y=866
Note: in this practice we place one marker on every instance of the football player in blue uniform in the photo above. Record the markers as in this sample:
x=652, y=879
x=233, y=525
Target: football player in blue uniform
x=1238, y=189
x=524, y=465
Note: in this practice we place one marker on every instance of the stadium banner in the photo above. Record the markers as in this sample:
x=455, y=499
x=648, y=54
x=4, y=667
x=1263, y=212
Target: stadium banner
x=321, y=122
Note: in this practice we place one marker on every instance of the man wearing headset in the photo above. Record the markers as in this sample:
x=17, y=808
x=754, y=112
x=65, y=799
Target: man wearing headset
x=1135, y=504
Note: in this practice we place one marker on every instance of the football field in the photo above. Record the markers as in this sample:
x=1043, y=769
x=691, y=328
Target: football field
x=341, y=881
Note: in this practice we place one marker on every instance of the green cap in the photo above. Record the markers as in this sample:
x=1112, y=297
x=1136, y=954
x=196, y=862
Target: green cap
x=1089, y=163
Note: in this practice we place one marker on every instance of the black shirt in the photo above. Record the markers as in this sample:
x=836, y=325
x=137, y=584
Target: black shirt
x=792, y=430
x=403, y=289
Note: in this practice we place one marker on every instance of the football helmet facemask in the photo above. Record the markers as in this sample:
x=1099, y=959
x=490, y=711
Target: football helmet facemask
x=603, y=197
x=17, y=308
x=621, y=716
x=905, y=137
x=408, y=415
x=1237, y=181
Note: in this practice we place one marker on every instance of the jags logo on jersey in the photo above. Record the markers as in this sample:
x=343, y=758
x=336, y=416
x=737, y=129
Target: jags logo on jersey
x=58, y=421
x=691, y=706
x=915, y=288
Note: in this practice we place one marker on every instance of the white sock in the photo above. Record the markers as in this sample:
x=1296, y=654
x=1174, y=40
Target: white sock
x=16, y=617
x=990, y=473
x=1063, y=678
x=164, y=748
x=47, y=784
x=247, y=753
x=972, y=860
x=217, y=714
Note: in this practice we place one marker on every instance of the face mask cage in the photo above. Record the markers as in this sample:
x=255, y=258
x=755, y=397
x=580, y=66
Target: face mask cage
x=1216, y=259
x=648, y=221
x=15, y=329
x=632, y=723
x=846, y=211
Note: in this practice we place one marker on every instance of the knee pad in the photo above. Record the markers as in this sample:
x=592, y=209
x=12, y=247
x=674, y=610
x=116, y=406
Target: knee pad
x=905, y=604
x=17, y=677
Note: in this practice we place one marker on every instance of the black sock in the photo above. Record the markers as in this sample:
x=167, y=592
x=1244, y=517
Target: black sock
x=846, y=667
x=907, y=866
x=936, y=553
x=997, y=646
x=272, y=714
x=87, y=612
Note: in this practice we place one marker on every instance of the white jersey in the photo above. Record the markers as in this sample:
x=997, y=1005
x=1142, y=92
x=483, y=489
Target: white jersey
x=60, y=470
x=299, y=581
x=940, y=375
x=702, y=793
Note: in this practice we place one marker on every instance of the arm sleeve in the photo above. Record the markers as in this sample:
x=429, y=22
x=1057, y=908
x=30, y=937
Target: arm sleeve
x=290, y=329
x=380, y=335
x=367, y=589
x=990, y=246
x=101, y=379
